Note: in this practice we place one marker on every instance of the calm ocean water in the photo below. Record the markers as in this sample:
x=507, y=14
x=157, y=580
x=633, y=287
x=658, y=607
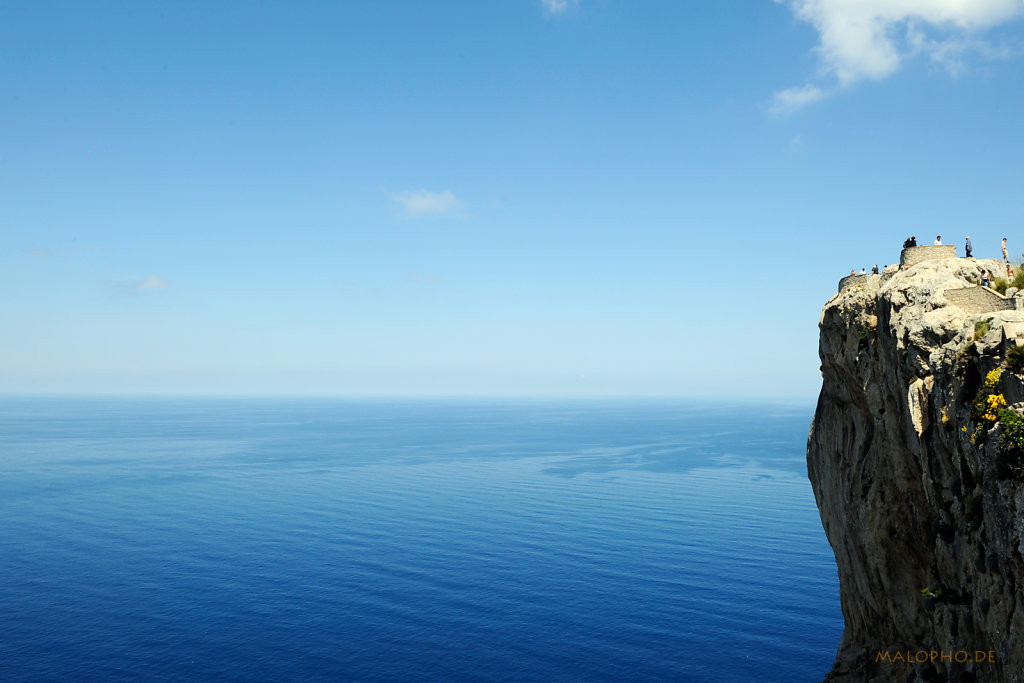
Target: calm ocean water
x=410, y=541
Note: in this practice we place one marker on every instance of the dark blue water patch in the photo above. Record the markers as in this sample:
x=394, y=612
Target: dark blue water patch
x=380, y=541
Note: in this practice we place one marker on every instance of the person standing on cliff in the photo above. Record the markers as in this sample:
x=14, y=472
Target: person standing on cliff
x=874, y=271
x=938, y=240
x=1006, y=256
x=968, y=248
x=913, y=240
x=985, y=279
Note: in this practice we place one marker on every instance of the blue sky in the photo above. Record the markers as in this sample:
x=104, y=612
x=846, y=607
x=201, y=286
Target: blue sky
x=512, y=197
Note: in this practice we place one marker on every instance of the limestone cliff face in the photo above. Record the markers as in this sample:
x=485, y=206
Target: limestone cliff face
x=909, y=500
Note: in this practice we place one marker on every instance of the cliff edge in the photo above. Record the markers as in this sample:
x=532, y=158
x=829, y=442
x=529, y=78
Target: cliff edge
x=916, y=457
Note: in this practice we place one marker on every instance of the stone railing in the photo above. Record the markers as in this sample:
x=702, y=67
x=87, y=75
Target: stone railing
x=978, y=299
x=928, y=252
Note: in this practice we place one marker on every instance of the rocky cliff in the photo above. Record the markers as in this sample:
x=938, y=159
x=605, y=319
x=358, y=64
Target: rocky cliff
x=917, y=464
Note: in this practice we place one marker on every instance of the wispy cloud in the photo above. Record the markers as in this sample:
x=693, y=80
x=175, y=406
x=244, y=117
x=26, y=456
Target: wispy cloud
x=558, y=6
x=150, y=283
x=789, y=100
x=36, y=251
x=871, y=39
x=419, y=203
x=416, y=277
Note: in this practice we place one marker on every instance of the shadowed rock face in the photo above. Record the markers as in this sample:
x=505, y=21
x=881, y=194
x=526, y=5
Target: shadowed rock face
x=909, y=501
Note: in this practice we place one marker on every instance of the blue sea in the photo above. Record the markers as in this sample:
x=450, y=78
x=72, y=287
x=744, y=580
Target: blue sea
x=428, y=540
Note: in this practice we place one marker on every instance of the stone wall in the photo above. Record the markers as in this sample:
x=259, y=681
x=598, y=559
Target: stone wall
x=977, y=300
x=855, y=280
x=912, y=255
x=851, y=280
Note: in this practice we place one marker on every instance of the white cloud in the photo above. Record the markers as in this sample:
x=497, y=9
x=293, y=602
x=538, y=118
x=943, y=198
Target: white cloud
x=151, y=282
x=419, y=203
x=789, y=100
x=558, y=6
x=871, y=39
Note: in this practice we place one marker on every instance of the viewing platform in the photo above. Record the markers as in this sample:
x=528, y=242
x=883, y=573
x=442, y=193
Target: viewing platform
x=973, y=298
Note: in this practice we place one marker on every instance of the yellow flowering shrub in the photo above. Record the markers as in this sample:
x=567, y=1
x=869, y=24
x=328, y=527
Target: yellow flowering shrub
x=995, y=403
x=987, y=404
